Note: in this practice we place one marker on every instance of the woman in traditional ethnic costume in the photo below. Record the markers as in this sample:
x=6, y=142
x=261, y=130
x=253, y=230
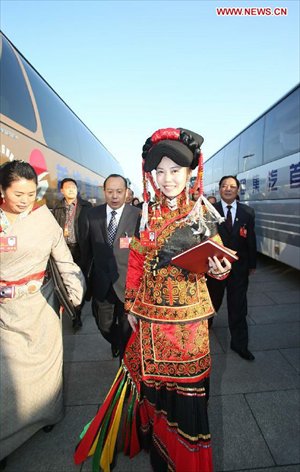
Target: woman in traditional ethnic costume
x=31, y=335
x=166, y=366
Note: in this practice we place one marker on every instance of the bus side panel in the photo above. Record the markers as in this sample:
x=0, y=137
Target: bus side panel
x=50, y=166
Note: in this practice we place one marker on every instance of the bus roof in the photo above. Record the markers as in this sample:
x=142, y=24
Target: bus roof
x=256, y=119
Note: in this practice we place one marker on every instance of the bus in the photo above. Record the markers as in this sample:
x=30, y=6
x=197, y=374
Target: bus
x=37, y=126
x=265, y=158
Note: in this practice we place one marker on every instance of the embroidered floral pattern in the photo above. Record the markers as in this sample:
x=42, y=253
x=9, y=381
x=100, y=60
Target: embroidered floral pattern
x=178, y=352
x=173, y=299
x=136, y=246
x=130, y=295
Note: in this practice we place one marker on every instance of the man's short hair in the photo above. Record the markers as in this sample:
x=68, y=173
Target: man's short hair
x=67, y=179
x=230, y=177
x=115, y=175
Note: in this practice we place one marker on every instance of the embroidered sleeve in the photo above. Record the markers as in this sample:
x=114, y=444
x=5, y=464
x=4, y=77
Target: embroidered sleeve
x=136, y=246
x=134, y=273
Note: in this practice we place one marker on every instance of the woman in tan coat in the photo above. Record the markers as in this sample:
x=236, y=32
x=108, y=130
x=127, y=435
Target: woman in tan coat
x=30, y=326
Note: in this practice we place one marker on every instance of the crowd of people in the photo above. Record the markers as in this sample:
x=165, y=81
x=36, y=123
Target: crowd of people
x=154, y=314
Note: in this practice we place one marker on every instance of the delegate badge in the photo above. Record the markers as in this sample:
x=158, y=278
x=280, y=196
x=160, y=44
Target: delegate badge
x=8, y=243
x=243, y=232
x=148, y=238
x=124, y=242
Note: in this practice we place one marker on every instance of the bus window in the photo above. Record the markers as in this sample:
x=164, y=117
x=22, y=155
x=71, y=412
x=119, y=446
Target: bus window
x=65, y=133
x=231, y=153
x=217, y=166
x=93, y=154
x=58, y=122
x=251, y=146
x=15, y=99
x=282, y=129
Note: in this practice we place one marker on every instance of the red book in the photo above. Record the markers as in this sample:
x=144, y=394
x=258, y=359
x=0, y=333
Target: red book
x=196, y=259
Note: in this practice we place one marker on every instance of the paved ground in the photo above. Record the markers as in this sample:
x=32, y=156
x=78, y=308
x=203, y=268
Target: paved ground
x=254, y=406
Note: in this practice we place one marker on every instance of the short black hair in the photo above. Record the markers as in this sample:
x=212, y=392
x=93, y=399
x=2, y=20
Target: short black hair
x=67, y=179
x=230, y=177
x=115, y=175
x=15, y=170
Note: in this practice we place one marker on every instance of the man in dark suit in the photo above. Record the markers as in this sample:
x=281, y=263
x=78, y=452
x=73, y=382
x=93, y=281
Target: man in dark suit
x=237, y=233
x=107, y=232
x=68, y=212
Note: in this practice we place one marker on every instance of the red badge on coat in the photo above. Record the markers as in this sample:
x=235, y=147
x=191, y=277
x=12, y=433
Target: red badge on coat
x=125, y=242
x=243, y=231
x=8, y=243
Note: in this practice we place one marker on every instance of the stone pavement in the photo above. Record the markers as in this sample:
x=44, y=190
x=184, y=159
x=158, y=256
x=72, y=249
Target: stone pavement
x=254, y=406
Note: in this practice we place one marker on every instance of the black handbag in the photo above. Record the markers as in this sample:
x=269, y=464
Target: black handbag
x=60, y=289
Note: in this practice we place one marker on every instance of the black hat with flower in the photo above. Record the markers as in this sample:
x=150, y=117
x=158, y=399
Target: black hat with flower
x=181, y=145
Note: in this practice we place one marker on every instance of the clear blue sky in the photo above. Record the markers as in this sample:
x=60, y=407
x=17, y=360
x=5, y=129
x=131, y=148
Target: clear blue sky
x=127, y=68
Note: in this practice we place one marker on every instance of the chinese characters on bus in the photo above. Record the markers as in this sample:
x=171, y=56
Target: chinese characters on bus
x=272, y=180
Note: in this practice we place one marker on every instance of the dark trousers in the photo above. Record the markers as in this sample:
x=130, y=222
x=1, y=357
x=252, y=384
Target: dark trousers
x=111, y=321
x=75, y=251
x=236, y=286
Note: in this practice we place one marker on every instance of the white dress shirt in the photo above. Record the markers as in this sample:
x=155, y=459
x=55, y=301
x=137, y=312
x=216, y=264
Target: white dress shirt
x=118, y=214
x=233, y=209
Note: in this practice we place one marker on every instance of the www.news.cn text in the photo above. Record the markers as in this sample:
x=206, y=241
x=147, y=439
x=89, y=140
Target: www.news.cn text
x=251, y=11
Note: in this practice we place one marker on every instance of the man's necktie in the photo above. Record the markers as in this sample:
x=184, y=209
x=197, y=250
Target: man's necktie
x=228, y=220
x=112, y=228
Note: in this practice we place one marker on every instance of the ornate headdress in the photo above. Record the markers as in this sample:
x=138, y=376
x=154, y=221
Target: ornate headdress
x=180, y=145
x=183, y=147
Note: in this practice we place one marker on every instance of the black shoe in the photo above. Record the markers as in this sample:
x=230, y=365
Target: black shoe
x=115, y=351
x=3, y=463
x=48, y=428
x=244, y=353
